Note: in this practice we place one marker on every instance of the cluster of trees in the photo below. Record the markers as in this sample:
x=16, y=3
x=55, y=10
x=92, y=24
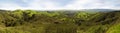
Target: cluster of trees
x=32, y=21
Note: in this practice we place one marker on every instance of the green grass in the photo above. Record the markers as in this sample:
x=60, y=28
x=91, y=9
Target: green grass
x=31, y=21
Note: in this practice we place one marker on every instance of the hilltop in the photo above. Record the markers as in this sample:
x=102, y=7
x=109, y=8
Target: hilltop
x=75, y=21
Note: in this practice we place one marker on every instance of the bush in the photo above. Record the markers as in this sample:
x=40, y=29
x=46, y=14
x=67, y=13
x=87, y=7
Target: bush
x=61, y=28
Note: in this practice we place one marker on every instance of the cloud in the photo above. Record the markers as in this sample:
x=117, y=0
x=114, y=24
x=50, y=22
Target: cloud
x=59, y=4
x=25, y=0
x=8, y=6
x=95, y=4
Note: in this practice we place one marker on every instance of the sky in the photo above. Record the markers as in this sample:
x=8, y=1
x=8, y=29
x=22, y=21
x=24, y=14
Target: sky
x=59, y=4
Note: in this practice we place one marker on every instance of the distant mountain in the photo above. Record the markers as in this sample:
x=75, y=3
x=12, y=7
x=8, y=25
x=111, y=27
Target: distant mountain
x=97, y=10
x=106, y=10
x=2, y=10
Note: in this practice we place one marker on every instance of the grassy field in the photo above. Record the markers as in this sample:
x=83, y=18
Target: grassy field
x=59, y=21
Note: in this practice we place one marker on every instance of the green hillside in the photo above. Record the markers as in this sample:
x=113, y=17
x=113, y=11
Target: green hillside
x=59, y=21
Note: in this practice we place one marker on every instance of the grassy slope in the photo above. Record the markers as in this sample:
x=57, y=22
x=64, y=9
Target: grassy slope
x=59, y=22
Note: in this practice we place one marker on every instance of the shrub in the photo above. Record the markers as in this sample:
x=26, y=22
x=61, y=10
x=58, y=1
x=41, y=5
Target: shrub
x=61, y=28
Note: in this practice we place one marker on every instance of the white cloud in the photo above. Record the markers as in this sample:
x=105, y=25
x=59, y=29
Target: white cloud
x=24, y=0
x=50, y=4
x=42, y=4
x=89, y=4
x=9, y=6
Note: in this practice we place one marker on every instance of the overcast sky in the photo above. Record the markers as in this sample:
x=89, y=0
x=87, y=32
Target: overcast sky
x=59, y=4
